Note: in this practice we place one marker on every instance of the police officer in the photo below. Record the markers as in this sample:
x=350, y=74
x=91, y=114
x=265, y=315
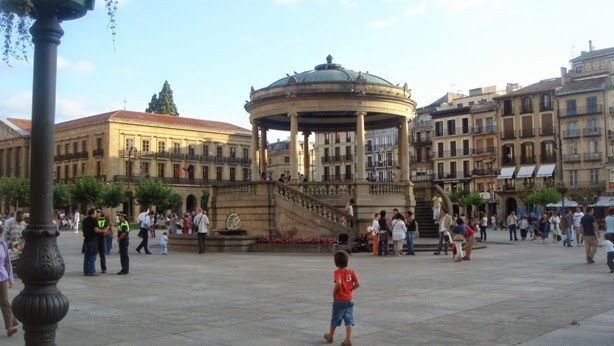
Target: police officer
x=123, y=231
x=102, y=248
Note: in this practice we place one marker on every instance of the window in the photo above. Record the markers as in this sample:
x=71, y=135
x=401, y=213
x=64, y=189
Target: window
x=245, y=153
x=439, y=150
x=465, y=147
x=66, y=171
x=66, y=148
x=145, y=145
x=527, y=126
x=451, y=127
x=452, y=148
x=348, y=152
x=466, y=170
x=161, y=147
x=98, y=167
x=160, y=170
x=507, y=107
x=218, y=151
x=245, y=174
x=571, y=107
x=233, y=152
x=452, y=170
x=572, y=129
x=593, y=175
x=145, y=168
x=58, y=172
x=591, y=127
x=573, y=177
x=481, y=187
x=83, y=168
x=99, y=143
x=591, y=104
x=527, y=105
x=579, y=69
x=205, y=173
x=572, y=148
x=286, y=159
x=439, y=128
x=59, y=150
x=592, y=147
x=75, y=147
x=232, y=174
x=129, y=143
x=348, y=136
x=327, y=138
x=545, y=102
x=465, y=125
x=218, y=173
x=176, y=171
x=547, y=125
x=478, y=126
x=205, y=150
x=337, y=137
x=440, y=173
x=348, y=172
x=83, y=146
x=191, y=149
x=177, y=148
x=370, y=161
x=74, y=170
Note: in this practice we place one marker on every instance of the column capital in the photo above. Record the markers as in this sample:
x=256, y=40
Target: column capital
x=307, y=133
x=363, y=113
x=293, y=114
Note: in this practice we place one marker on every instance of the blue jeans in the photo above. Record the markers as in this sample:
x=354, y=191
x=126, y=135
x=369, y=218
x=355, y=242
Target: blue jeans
x=382, y=247
x=483, y=232
x=343, y=310
x=108, y=242
x=89, y=257
x=568, y=236
x=512, y=229
x=410, y=242
x=442, y=243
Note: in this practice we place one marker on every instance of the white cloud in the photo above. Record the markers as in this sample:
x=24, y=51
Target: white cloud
x=83, y=66
x=416, y=10
x=463, y=5
x=349, y=3
x=16, y=105
x=391, y=21
x=384, y=23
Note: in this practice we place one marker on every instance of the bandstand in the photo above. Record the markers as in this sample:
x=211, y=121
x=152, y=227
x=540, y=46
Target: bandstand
x=328, y=98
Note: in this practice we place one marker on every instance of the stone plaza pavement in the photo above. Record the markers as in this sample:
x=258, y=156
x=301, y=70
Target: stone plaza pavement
x=523, y=293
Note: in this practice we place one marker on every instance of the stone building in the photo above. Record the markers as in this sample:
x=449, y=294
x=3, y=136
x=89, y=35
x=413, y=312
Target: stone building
x=278, y=156
x=125, y=146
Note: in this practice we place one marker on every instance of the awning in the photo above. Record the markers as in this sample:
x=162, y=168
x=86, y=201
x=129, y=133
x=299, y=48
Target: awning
x=525, y=172
x=507, y=173
x=545, y=171
x=604, y=201
x=568, y=203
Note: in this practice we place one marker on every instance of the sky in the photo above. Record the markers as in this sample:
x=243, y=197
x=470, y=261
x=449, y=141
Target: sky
x=213, y=52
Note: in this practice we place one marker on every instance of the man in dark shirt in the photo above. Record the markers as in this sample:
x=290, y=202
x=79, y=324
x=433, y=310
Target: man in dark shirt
x=588, y=227
x=90, y=244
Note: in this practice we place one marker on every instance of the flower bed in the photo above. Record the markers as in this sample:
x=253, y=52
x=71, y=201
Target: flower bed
x=268, y=240
x=295, y=245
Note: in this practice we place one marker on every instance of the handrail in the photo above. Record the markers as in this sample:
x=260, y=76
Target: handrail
x=314, y=205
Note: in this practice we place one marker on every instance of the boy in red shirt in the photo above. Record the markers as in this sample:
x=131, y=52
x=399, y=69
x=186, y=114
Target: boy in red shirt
x=346, y=282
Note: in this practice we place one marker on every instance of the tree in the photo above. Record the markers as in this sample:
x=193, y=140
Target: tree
x=171, y=201
x=16, y=19
x=148, y=192
x=164, y=103
x=15, y=191
x=543, y=197
x=61, y=196
x=204, y=200
x=465, y=197
x=112, y=196
x=585, y=196
x=87, y=190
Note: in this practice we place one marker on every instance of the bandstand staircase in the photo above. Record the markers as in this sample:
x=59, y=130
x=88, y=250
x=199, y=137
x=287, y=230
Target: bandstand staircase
x=424, y=216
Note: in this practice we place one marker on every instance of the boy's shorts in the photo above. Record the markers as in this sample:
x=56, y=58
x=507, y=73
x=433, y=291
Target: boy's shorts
x=343, y=310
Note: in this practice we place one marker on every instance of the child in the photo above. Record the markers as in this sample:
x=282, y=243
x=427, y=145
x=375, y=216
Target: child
x=458, y=237
x=609, y=249
x=164, y=242
x=346, y=282
x=523, y=225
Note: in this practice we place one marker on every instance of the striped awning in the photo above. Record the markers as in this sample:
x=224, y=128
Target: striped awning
x=507, y=173
x=525, y=172
x=545, y=170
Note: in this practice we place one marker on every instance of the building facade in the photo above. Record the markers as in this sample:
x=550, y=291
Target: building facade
x=278, y=155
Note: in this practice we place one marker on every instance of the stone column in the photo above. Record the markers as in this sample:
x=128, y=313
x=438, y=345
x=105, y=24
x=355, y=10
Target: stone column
x=306, y=156
x=263, y=158
x=360, y=146
x=404, y=149
x=293, y=147
x=254, y=153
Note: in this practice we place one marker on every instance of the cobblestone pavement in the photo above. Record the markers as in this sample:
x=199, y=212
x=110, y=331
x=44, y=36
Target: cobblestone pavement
x=510, y=293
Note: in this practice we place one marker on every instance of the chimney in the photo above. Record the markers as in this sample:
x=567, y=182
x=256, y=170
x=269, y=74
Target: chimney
x=563, y=75
x=590, y=45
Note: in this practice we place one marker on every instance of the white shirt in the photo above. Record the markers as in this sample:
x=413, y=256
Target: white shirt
x=349, y=209
x=484, y=221
x=375, y=227
x=163, y=240
x=398, y=229
x=146, y=222
x=576, y=218
x=608, y=246
x=202, y=221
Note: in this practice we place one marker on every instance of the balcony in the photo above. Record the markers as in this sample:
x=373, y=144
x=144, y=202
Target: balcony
x=485, y=171
x=421, y=158
x=192, y=157
x=218, y=159
x=421, y=141
x=246, y=161
x=547, y=106
x=527, y=160
x=422, y=177
x=571, y=158
x=479, y=130
x=98, y=152
x=168, y=180
x=485, y=151
x=163, y=155
x=524, y=109
x=58, y=158
x=547, y=131
x=548, y=158
x=453, y=153
x=584, y=183
x=571, y=133
x=526, y=133
x=592, y=156
x=177, y=156
x=610, y=159
x=584, y=110
x=508, y=161
x=453, y=175
x=591, y=131
x=508, y=134
x=233, y=160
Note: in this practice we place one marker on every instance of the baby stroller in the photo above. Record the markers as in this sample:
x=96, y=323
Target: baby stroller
x=344, y=243
x=362, y=245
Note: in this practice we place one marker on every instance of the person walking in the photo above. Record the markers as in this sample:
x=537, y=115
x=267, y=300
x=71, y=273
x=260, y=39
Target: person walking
x=412, y=227
x=123, y=233
x=173, y=224
x=483, y=227
x=201, y=221
x=144, y=233
x=445, y=221
x=6, y=282
x=577, y=216
x=531, y=221
x=608, y=246
x=544, y=227
x=382, y=239
x=609, y=221
x=512, y=222
x=555, y=221
x=374, y=233
x=566, y=226
x=164, y=243
x=588, y=228
x=399, y=231
x=75, y=221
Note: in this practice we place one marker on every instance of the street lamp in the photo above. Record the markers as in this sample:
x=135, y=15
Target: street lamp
x=383, y=158
x=130, y=168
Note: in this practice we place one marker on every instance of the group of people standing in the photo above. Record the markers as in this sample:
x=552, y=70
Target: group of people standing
x=98, y=232
x=399, y=226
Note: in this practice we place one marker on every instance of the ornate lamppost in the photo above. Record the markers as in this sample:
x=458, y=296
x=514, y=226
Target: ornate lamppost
x=40, y=305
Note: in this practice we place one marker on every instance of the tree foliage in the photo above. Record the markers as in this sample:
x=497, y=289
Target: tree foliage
x=113, y=195
x=164, y=102
x=87, y=190
x=204, y=200
x=543, y=197
x=585, y=196
x=171, y=201
x=61, y=196
x=15, y=191
x=148, y=192
x=465, y=197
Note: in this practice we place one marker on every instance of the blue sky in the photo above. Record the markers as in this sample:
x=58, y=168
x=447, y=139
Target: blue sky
x=212, y=52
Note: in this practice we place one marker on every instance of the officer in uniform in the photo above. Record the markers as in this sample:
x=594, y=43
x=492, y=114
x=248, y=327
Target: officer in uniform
x=123, y=231
x=102, y=249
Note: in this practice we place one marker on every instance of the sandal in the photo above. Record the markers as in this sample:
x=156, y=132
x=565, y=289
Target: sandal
x=328, y=338
x=346, y=343
x=11, y=331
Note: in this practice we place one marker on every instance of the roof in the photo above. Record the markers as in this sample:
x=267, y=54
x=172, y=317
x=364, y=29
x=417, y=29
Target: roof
x=451, y=112
x=24, y=124
x=541, y=86
x=592, y=54
x=328, y=72
x=157, y=119
x=484, y=107
x=582, y=86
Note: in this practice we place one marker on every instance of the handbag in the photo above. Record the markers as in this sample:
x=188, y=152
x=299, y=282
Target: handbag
x=383, y=236
x=458, y=237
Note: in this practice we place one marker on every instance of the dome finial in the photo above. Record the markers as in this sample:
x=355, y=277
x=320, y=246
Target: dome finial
x=329, y=59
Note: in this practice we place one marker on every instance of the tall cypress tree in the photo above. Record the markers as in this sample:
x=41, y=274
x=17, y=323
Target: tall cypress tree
x=163, y=103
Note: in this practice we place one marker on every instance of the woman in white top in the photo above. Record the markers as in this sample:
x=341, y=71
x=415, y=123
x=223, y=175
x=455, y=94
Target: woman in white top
x=374, y=233
x=609, y=221
x=399, y=230
x=555, y=226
